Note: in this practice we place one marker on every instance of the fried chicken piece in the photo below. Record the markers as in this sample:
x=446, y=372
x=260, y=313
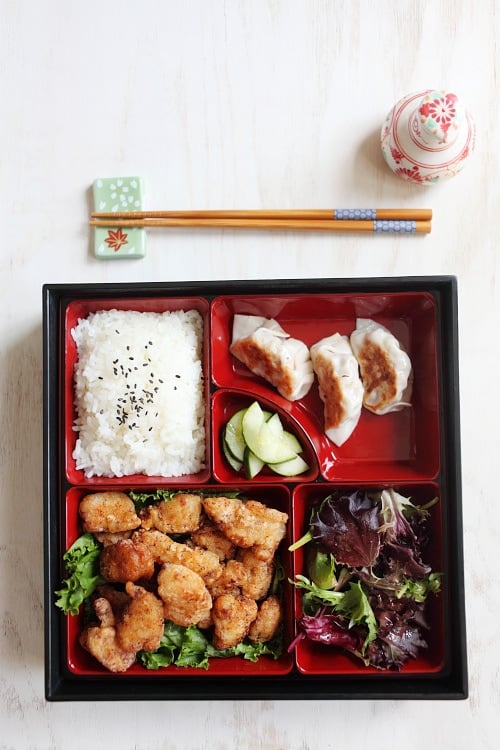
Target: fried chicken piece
x=117, y=599
x=232, y=617
x=126, y=561
x=109, y=512
x=166, y=550
x=106, y=538
x=141, y=623
x=230, y=581
x=259, y=573
x=101, y=640
x=267, y=622
x=186, y=599
x=210, y=537
x=179, y=515
x=248, y=524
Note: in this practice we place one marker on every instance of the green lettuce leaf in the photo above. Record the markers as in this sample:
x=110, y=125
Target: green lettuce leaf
x=142, y=499
x=189, y=647
x=419, y=590
x=357, y=608
x=81, y=561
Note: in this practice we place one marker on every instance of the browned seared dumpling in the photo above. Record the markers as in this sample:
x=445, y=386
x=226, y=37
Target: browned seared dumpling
x=385, y=367
x=270, y=352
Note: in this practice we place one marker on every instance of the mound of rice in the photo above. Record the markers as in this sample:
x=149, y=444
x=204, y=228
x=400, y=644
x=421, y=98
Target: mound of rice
x=139, y=394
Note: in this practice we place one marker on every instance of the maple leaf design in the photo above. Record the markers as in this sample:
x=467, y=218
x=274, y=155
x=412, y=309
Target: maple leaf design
x=117, y=239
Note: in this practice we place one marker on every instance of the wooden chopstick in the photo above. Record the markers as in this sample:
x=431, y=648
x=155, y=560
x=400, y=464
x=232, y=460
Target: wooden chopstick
x=377, y=226
x=396, y=214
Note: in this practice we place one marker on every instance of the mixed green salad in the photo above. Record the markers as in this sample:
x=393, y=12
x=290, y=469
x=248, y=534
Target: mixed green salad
x=367, y=583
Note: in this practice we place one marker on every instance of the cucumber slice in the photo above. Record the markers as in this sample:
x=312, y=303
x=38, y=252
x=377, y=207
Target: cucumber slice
x=290, y=468
x=253, y=465
x=265, y=439
x=292, y=442
x=232, y=461
x=233, y=436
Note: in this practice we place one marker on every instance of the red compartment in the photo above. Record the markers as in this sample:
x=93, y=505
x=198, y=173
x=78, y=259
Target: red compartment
x=225, y=403
x=316, y=659
x=79, y=662
x=397, y=447
x=78, y=309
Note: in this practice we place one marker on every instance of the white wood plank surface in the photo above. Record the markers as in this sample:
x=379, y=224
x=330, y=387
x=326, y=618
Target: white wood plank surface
x=239, y=104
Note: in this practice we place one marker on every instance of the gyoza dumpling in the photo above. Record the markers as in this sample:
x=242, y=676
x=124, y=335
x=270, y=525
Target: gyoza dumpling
x=340, y=386
x=268, y=351
x=385, y=367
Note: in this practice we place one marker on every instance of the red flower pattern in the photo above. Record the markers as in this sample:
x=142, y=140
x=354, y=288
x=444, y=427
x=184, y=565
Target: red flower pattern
x=396, y=155
x=410, y=174
x=443, y=111
x=116, y=240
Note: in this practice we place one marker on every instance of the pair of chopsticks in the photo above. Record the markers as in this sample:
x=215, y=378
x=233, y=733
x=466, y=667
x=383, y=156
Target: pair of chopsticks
x=379, y=220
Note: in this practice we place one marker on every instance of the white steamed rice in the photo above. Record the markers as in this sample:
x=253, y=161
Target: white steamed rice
x=139, y=394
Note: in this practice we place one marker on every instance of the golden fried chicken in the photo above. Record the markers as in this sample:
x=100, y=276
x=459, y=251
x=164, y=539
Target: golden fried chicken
x=232, y=617
x=117, y=599
x=109, y=512
x=101, y=640
x=127, y=560
x=210, y=537
x=267, y=622
x=230, y=581
x=179, y=515
x=166, y=550
x=248, y=524
x=259, y=573
x=140, y=626
x=186, y=599
x=106, y=538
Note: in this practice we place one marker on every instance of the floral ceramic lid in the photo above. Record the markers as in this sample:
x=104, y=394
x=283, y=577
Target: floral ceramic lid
x=427, y=136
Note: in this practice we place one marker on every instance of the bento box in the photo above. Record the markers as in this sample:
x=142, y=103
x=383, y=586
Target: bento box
x=409, y=454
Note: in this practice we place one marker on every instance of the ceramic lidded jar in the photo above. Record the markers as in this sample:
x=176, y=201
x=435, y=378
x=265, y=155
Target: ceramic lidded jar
x=427, y=136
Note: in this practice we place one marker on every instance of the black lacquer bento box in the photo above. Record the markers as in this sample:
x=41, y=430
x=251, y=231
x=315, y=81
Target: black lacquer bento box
x=415, y=451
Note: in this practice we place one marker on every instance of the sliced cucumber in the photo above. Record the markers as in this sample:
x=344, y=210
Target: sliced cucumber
x=233, y=436
x=252, y=464
x=232, y=461
x=265, y=439
x=291, y=442
x=290, y=468
x=254, y=438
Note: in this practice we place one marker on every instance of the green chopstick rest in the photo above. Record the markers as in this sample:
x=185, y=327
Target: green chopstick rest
x=118, y=194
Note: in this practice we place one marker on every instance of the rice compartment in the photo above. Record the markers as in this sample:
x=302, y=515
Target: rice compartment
x=139, y=394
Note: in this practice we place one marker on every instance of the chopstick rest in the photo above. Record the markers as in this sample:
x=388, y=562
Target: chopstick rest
x=117, y=194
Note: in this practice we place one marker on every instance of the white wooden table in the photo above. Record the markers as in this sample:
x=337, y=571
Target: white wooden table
x=239, y=104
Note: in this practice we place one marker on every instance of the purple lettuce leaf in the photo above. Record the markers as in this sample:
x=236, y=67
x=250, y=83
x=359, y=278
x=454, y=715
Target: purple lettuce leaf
x=331, y=630
x=348, y=527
